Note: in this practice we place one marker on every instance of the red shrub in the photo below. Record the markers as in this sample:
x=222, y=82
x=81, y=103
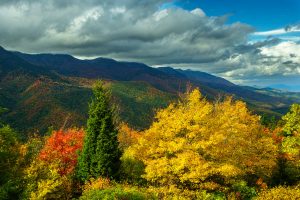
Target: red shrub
x=62, y=147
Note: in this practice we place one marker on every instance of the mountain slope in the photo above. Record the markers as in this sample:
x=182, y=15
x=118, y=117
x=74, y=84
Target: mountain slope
x=37, y=97
x=166, y=79
x=10, y=63
x=258, y=101
x=45, y=90
x=103, y=68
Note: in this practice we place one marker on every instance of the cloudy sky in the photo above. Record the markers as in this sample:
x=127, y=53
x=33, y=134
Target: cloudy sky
x=250, y=42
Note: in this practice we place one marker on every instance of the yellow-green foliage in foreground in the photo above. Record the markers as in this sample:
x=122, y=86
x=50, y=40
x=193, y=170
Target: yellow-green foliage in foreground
x=280, y=193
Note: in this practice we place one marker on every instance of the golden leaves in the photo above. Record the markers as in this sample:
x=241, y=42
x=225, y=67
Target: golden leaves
x=194, y=140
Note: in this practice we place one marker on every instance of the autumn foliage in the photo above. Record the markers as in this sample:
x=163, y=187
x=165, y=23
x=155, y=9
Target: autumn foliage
x=127, y=136
x=62, y=147
x=280, y=193
x=197, y=144
x=194, y=149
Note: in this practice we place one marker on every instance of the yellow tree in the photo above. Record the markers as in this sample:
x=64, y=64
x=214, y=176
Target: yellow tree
x=127, y=136
x=131, y=168
x=196, y=144
x=290, y=146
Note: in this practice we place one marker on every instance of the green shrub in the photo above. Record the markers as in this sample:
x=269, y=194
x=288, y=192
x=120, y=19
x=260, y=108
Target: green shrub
x=244, y=190
x=115, y=194
x=132, y=169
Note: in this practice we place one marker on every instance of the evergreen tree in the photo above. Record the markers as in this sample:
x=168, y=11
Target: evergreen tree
x=100, y=155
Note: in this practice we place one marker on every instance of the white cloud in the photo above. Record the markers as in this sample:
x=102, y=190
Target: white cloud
x=288, y=50
x=282, y=59
x=92, y=14
x=118, y=10
x=160, y=14
x=281, y=31
x=271, y=32
x=198, y=12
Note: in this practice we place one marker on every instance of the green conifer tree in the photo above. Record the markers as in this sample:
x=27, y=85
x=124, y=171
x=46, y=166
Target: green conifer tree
x=100, y=155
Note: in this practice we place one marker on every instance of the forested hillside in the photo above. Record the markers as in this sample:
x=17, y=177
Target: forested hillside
x=52, y=90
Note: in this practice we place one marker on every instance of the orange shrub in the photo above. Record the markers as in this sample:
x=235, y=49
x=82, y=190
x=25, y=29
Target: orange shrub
x=62, y=147
x=127, y=136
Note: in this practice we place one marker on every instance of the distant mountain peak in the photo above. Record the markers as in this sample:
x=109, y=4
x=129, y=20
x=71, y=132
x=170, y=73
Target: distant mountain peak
x=103, y=58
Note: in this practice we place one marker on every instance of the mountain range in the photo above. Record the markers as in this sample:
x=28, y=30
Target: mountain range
x=44, y=90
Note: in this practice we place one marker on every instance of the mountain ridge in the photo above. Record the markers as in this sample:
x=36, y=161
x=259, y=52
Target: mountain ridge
x=49, y=89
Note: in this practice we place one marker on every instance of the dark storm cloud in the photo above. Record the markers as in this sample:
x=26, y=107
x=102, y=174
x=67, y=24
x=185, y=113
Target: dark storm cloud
x=125, y=29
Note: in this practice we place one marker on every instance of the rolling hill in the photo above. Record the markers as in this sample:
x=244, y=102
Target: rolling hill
x=43, y=90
